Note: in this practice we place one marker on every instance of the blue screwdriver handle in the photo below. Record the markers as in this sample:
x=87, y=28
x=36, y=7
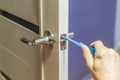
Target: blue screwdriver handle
x=80, y=44
x=92, y=50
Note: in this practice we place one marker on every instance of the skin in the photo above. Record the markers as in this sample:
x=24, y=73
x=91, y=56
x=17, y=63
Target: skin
x=105, y=65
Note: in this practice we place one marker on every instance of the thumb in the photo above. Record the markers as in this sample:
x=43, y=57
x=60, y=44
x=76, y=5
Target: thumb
x=87, y=56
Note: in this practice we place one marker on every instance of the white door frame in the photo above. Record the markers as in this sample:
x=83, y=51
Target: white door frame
x=63, y=29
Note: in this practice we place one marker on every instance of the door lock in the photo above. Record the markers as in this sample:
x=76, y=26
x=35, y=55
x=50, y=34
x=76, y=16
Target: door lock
x=47, y=39
x=63, y=41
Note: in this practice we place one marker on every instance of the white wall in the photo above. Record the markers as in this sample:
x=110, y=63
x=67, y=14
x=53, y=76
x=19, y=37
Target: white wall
x=117, y=27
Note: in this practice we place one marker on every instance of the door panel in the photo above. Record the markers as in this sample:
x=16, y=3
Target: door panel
x=15, y=67
x=16, y=56
x=55, y=19
x=10, y=35
x=50, y=55
x=26, y=9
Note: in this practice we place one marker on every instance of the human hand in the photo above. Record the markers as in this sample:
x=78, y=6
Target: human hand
x=105, y=65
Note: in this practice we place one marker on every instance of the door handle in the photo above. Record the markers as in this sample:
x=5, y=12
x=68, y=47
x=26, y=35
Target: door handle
x=46, y=39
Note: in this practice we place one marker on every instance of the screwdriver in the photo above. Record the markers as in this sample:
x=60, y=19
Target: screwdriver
x=80, y=44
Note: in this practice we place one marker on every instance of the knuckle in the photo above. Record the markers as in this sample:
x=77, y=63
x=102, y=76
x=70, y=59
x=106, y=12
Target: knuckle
x=111, y=50
x=99, y=41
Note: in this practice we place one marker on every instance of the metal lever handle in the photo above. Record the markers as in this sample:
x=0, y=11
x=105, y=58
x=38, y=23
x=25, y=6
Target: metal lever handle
x=48, y=39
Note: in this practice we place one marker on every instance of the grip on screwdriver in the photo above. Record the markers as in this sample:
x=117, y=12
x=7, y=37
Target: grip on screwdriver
x=92, y=50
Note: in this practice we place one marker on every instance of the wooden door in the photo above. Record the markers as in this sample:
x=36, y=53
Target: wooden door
x=18, y=19
x=54, y=17
x=19, y=61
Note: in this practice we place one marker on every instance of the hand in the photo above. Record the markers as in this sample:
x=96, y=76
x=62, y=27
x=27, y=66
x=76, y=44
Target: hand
x=105, y=65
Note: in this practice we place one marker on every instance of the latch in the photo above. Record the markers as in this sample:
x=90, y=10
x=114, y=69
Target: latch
x=78, y=44
x=46, y=39
x=63, y=41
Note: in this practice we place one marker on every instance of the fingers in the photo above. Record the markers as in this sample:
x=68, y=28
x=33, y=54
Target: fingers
x=99, y=48
x=101, y=52
x=98, y=45
x=111, y=53
x=87, y=56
